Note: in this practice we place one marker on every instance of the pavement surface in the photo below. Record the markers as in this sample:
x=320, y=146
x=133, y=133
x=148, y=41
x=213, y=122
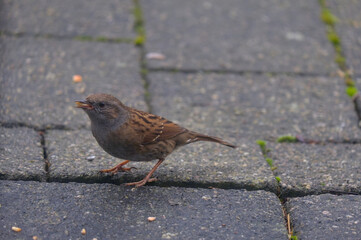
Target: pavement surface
x=264, y=75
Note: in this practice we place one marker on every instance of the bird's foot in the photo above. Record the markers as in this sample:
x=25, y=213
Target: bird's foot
x=147, y=178
x=118, y=168
x=141, y=183
x=114, y=170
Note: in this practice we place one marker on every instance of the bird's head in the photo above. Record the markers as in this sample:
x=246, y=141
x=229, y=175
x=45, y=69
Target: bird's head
x=103, y=109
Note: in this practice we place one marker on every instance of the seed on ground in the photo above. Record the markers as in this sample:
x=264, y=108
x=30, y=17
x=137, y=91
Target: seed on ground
x=16, y=229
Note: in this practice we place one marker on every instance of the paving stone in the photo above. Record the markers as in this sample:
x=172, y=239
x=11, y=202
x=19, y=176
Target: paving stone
x=314, y=169
x=256, y=106
x=46, y=67
x=348, y=28
x=21, y=154
x=68, y=18
x=326, y=216
x=60, y=211
x=199, y=164
x=271, y=36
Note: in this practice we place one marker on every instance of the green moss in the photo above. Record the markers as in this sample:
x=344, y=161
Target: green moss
x=333, y=38
x=278, y=179
x=101, y=39
x=143, y=71
x=262, y=145
x=351, y=91
x=83, y=38
x=138, y=14
x=341, y=61
x=289, y=139
x=139, y=24
x=139, y=40
x=293, y=237
x=269, y=161
x=327, y=17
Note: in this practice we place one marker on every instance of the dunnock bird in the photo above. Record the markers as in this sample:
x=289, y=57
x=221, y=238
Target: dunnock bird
x=130, y=134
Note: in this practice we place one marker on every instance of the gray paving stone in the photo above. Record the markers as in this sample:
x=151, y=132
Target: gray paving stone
x=36, y=79
x=349, y=29
x=326, y=216
x=256, y=106
x=314, y=169
x=60, y=211
x=21, y=154
x=271, y=36
x=198, y=164
x=68, y=18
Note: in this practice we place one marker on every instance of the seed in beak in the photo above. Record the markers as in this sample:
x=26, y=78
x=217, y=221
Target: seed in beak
x=83, y=104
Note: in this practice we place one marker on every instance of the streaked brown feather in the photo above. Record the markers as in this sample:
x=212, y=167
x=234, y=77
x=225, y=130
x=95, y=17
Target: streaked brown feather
x=155, y=128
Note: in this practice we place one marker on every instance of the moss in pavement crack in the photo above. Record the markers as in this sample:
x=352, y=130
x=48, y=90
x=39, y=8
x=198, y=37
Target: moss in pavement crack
x=262, y=144
x=139, y=24
x=85, y=38
x=265, y=151
x=288, y=139
x=330, y=21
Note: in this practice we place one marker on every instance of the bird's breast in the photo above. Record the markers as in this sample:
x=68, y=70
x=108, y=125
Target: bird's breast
x=117, y=143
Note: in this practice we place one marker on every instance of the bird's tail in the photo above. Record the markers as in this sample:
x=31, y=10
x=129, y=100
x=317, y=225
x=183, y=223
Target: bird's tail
x=202, y=137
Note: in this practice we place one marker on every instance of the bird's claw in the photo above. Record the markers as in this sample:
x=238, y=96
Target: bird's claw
x=141, y=182
x=113, y=171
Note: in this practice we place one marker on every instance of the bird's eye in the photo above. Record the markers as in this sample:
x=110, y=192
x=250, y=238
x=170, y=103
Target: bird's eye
x=101, y=105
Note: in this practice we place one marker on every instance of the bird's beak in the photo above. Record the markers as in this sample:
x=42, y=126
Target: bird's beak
x=83, y=104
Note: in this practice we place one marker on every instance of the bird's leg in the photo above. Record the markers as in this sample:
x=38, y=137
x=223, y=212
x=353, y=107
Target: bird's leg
x=147, y=178
x=117, y=168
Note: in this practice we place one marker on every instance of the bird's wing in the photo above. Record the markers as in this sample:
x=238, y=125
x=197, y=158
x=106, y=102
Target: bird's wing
x=155, y=128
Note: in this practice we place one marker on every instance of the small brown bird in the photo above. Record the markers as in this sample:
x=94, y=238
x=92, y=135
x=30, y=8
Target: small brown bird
x=130, y=134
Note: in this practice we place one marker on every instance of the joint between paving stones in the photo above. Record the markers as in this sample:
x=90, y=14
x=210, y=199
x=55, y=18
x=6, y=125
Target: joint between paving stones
x=83, y=38
x=139, y=28
x=14, y=124
x=300, y=140
x=289, y=223
x=139, y=25
x=357, y=104
x=283, y=200
x=263, y=146
x=45, y=154
x=167, y=184
x=236, y=72
x=17, y=124
x=219, y=185
x=103, y=39
x=145, y=80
